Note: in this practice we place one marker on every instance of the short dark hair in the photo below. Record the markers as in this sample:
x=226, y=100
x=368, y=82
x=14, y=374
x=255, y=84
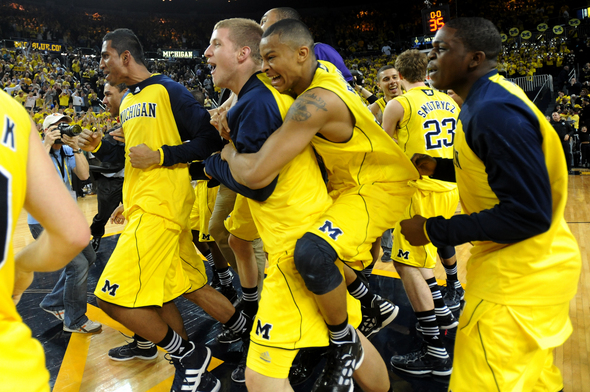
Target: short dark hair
x=287, y=13
x=199, y=96
x=291, y=32
x=478, y=34
x=125, y=39
x=120, y=86
x=383, y=69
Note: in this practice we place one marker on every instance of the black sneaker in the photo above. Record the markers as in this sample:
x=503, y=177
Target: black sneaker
x=190, y=368
x=386, y=257
x=421, y=362
x=215, y=283
x=302, y=370
x=447, y=322
x=452, y=296
x=209, y=383
x=381, y=314
x=131, y=351
x=343, y=360
x=95, y=243
x=228, y=292
x=228, y=336
x=239, y=373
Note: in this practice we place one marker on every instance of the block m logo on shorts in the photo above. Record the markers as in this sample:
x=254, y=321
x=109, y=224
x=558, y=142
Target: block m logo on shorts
x=263, y=330
x=111, y=289
x=333, y=232
x=205, y=237
x=404, y=255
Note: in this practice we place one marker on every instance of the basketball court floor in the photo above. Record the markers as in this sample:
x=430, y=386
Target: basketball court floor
x=79, y=362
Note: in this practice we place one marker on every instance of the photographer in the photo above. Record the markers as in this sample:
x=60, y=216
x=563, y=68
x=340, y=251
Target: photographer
x=565, y=131
x=67, y=301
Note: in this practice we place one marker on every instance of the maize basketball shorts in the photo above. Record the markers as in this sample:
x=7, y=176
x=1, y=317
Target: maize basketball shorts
x=508, y=348
x=428, y=204
x=202, y=209
x=193, y=264
x=359, y=216
x=145, y=269
x=22, y=359
x=240, y=223
x=288, y=319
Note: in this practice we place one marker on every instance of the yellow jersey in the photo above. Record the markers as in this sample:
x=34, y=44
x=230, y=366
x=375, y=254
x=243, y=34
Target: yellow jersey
x=429, y=123
x=370, y=155
x=502, y=182
x=147, y=116
x=21, y=357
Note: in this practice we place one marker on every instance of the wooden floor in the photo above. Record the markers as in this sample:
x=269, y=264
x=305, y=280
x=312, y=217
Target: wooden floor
x=572, y=358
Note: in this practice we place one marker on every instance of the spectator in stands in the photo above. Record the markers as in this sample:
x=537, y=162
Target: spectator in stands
x=574, y=87
x=584, y=137
x=562, y=77
x=564, y=130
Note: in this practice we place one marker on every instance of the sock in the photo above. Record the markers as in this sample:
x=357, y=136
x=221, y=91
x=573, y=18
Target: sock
x=452, y=277
x=359, y=291
x=174, y=344
x=368, y=271
x=142, y=343
x=209, y=258
x=340, y=333
x=440, y=309
x=225, y=276
x=250, y=301
x=431, y=333
x=237, y=322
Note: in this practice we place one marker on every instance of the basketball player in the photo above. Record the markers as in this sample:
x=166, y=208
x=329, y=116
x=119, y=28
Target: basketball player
x=423, y=121
x=367, y=175
x=322, y=51
x=377, y=312
x=389, y=84
x=145, y=273
x=110, y=185
x=512, y=178
x=235, y=323
x=288, y=318
x=28, y=177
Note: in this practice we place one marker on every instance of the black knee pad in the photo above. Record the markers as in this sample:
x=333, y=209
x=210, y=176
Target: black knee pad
x=314, y=259
x=446, y=252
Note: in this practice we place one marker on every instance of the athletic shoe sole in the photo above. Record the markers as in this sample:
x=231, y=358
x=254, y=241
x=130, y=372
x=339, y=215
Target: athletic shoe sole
x=441, y=373
x=134, y=357
x=58, y=314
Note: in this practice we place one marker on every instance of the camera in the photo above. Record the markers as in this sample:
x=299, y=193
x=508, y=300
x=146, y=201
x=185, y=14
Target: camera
x=68, y=130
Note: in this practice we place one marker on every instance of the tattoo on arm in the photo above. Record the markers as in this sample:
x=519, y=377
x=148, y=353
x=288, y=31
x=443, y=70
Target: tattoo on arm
x=301, y=110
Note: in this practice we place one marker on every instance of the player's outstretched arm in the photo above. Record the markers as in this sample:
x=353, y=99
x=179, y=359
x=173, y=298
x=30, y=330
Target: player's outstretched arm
x=392, y=116
x=312, y=112
x=66, y=230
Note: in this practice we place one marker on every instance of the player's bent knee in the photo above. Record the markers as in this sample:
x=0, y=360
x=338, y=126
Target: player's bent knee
x=217, y=228
x=314, y=259
x=446, y=252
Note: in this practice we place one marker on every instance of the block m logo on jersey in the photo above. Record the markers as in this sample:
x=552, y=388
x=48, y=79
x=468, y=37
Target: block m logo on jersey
x=333, y=232
x=404, y=255
x=111, y=289
x=205, y=237
x=263, y=330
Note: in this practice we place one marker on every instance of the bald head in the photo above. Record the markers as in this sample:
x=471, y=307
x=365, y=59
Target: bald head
x=274, y=15
x=292, y=33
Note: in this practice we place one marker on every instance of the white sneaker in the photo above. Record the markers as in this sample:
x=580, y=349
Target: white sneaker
x=89, y=327
x=59, y=314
